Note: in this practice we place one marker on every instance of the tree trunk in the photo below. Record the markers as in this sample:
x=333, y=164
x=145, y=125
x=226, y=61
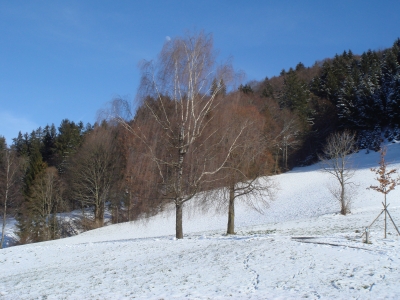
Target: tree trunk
x=286, y=156
x=343, y=210
x=98, y=216
x=55, y=224
x=231, y=211
x=178, y=203
x=277, y=161
x=129, y=206
x=3, y=229
x=4, y=225
x=179, y=228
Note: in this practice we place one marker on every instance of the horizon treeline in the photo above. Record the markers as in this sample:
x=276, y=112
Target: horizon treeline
x=354, y=92
x=104, y=167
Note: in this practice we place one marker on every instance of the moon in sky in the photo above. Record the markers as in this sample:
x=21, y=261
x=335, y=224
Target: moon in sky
x=167, y=38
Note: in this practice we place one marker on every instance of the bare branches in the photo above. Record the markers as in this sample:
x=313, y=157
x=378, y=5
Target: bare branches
x=45, y=201
x=176, y=120
x=335, y=160
x=10, y=172
x=247, y=160
x=282, y=133
x=93, y=171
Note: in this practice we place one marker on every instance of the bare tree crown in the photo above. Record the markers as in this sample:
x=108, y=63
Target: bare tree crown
x=335, y=160
x=176, y=118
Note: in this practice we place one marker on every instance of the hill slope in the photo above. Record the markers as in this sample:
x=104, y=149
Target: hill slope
x=300, y=248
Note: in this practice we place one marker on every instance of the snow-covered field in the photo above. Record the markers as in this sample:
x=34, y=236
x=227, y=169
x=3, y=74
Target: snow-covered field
x=300, y=248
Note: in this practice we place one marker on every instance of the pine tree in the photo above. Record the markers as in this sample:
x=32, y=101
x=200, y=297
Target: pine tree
x=300, y=66
x=268, y=90
x=328, y=83
x=296, y=96
x=246, y=89
x=388, y=84
x=393, y=105
x=67, y=142
x=21, y=144
x=369, y=111
x=49, y=144
x=391, y=83
x=347, y=107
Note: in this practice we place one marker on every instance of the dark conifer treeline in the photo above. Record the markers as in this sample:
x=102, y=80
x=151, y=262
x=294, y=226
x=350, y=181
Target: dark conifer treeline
x=354, y=92
x=46, y=154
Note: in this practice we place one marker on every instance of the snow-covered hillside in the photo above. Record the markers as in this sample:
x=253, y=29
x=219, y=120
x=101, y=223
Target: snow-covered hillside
x=299, y=248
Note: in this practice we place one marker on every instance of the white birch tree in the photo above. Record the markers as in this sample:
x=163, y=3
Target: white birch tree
x=180, y=107
x=10, y=184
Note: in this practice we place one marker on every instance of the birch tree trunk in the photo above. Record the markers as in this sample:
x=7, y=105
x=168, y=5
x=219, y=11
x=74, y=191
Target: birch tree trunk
x=3, y=229
x=11, y=167
x=5, y=206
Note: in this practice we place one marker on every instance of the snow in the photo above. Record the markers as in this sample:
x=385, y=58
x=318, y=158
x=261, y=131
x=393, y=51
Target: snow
x=300, y=248
x=10, y=237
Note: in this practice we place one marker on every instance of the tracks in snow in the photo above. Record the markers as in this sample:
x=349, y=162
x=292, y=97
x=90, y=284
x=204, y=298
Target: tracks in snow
x=255, y=276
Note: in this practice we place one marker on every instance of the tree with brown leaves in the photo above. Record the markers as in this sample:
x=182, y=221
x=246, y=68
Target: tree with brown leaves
x=240, y=177
x=386, y=184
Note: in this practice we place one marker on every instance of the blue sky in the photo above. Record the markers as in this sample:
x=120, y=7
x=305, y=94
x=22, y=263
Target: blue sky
x=67, y=59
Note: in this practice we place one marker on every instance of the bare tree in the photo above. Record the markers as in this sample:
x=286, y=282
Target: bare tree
x=289, y=139
x=10, y=184
x=140, y=192
x=45, y=201
x=176, y=116
x=92, y=172
x=335, y=160
x=282, y=133
x=386, y=185
x=249, y=160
